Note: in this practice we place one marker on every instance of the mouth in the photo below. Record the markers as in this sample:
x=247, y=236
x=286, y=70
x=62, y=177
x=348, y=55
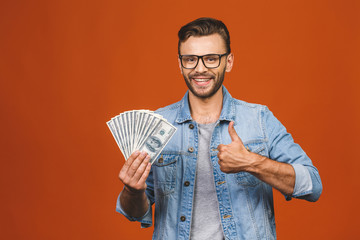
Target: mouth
x=201, y=80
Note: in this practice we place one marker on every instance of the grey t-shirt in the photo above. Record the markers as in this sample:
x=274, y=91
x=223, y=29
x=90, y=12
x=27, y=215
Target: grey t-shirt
x=206, y=223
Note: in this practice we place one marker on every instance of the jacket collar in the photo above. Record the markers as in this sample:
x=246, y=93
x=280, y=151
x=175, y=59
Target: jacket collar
x=227, y=112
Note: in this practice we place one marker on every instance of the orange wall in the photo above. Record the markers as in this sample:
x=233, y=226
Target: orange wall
x=66, y=67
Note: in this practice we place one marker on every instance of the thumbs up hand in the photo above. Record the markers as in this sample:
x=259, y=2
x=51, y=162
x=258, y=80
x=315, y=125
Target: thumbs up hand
x=234, y=157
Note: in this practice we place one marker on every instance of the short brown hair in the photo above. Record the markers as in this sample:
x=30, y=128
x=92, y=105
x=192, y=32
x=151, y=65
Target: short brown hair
x=204, y=27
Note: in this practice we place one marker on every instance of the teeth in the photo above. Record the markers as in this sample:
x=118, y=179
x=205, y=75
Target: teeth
x=201, y=79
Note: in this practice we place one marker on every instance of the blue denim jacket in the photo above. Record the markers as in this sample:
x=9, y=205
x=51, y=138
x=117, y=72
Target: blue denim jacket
x=245, y=202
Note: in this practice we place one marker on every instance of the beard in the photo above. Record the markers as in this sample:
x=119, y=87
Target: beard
x=218, y=81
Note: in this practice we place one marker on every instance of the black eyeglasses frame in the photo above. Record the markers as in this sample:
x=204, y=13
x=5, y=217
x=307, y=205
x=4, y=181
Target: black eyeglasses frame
x=201, y=57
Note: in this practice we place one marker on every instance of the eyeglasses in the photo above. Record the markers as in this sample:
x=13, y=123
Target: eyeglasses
x=209, y=60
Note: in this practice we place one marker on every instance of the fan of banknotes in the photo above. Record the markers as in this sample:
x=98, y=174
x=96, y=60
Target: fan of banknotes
x=141, y=130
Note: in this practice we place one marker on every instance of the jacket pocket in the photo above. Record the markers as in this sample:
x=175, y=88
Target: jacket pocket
x=245, y=178
x=164, y=169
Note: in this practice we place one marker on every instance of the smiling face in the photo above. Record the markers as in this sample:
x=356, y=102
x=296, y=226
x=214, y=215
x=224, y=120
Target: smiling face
x=205, y=82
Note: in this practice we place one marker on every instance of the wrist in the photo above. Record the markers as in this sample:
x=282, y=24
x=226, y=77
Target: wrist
x=257, y=162
x=134, y=192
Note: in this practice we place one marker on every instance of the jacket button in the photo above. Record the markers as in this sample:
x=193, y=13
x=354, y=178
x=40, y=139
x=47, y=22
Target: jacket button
x=222, y=182
x=186, y=183
x=191, y=149
x=183, y=218
x=191, y=126
x=161, y=160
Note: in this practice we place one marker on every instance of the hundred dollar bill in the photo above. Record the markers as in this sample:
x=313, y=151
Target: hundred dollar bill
x=141, y=130
x=150, y=126
x=112, y=128
x=157, y=140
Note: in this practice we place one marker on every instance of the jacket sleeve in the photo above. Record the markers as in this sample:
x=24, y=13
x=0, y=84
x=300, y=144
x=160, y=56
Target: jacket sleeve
x=282, y=148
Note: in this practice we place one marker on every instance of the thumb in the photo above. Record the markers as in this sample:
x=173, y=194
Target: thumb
x=232, y=132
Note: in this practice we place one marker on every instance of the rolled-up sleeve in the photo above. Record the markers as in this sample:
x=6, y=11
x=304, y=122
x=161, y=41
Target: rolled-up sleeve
x=303, y=182
x=282, y=148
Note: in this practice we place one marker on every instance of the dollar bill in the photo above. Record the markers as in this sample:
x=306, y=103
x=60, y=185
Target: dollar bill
x=158, y=139
x=141, y=130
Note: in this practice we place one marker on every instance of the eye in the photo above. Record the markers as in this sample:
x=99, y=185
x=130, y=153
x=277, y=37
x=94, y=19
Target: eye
x=189, y=59
x=211, y=58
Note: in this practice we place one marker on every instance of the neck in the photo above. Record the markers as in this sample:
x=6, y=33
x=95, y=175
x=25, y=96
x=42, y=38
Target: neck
x=206, y=110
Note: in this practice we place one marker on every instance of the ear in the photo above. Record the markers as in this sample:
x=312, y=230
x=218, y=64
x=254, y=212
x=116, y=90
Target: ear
x=229, y=62
x=181, y=70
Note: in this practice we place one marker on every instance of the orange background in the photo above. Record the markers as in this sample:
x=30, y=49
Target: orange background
x=66, y=67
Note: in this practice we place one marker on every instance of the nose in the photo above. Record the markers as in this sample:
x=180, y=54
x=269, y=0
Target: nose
x=200, y=66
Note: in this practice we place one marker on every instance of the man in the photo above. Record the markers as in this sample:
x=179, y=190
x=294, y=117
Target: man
x=214, y=179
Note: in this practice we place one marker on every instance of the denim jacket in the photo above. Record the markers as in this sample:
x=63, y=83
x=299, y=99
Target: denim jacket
x=245, y=202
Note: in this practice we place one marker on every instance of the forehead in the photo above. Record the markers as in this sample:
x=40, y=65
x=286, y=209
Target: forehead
x=201, y=45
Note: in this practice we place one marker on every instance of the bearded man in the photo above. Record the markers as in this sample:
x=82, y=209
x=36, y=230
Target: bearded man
x=215, y=177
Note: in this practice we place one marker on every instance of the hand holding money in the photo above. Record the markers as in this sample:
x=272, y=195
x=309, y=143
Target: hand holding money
x=141, y=136
x=135, y=172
